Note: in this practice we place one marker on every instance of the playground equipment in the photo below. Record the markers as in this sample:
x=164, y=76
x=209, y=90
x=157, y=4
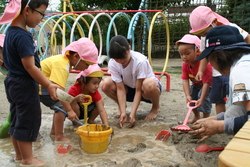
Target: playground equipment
x=52, y=37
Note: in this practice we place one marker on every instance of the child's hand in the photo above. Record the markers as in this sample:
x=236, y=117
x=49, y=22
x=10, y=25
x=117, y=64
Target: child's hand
x=123, y=118
x=80, y=98
x=72, y=115
x=132, y=121
x=206, y=129
x=52, y=91
x=199, y=103
x=188, y=98
x=198, y=76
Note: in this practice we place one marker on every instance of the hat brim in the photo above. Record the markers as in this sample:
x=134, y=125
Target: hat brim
x=241, y=45
x=12, y=10
x=207, y=51
x=89, y=62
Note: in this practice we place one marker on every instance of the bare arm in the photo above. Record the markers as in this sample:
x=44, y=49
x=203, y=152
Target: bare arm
x=102, y=111
x=29, y=65
x=121, y=96
x=205, y=89
x=247, y=39
x=136, y=102
x=186, y=88
x=202, y=67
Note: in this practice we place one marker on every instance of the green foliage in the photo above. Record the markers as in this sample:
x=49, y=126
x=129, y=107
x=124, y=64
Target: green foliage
x=2, y=6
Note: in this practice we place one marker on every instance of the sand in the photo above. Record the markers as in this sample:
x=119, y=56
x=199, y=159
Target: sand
x=128, y=147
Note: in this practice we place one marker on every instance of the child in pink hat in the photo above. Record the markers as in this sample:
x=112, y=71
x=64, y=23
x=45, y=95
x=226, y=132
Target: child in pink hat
x=189, y=49
x=77, y=55
x=87, y=83
x=24, y=76
x=202, y=19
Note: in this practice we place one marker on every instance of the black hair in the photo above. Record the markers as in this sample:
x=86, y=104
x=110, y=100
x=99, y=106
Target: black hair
x=226, y=58
x=34, y=4
x=183, y=43
x=119, y=45
x=85, y=80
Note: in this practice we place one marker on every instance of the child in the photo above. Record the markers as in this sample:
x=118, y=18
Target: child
x=79, y=55
x=24, y=75
x=87, y=83
x=188, y=48
x=230, y=55
x=202, y=19
x=132, y=80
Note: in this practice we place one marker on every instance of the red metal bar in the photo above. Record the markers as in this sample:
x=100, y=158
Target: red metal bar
x=156, y=73
x=108, y=11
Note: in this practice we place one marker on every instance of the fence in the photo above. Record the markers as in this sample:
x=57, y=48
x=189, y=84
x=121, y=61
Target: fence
x=177, y=13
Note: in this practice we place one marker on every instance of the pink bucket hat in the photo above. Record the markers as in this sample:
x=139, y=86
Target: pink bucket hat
x=85, y=48
x=202, y=17
x=2, y=36
x=190, y=39
x=92, y=71
x=11, y=11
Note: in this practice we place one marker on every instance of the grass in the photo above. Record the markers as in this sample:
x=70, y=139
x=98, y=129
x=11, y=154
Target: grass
x=171, y=70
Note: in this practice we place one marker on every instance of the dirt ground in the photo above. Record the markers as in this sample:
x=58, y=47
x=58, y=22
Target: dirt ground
x=129, y=147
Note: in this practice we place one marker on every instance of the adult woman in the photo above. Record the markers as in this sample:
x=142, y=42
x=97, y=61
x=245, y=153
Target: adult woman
x=230, y=55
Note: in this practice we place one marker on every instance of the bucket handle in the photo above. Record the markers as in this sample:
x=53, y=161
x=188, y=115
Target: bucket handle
x=111, y=136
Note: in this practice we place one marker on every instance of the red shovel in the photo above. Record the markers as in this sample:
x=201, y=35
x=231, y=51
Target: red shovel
x=206, y=148
x=190, y=105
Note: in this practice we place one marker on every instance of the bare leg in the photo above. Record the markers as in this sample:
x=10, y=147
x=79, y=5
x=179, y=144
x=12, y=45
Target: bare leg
x=18, y=153
x=109, y=88
x=24, y=149
x=93, y=116
x=151, y=91
x=196, y=116
x=220, y=108
x=58, y=122
x=206, y=115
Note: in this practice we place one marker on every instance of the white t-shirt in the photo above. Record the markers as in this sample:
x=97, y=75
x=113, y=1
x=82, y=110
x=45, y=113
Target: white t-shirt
x=239, y=80
x=202, y=47
x=138, y=68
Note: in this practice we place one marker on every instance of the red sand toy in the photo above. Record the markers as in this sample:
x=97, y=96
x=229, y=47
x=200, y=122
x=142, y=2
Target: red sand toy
x=190, y=105
x=63, y=148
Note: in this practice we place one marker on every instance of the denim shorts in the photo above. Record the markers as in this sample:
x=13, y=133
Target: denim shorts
x=196, y=94
x=131, y=94
x=47, y=101
x=220, y=89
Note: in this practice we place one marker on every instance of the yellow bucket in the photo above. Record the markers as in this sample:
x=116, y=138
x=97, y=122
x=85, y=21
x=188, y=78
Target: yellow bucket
x=94, y=137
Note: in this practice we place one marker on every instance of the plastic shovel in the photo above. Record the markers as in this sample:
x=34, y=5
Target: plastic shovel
x=190, y=105
x=4, y=128
x=61, y=110
x=206, y=148
x=85, y=104
x=164, y=133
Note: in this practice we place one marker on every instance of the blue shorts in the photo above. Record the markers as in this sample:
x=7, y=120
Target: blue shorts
x=22, y=94
x=220, y=89
x=131, y=94
x=196, y=94
x=47, y=101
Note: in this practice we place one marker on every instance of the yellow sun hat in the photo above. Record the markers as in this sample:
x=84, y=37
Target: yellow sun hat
x=92, y=71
